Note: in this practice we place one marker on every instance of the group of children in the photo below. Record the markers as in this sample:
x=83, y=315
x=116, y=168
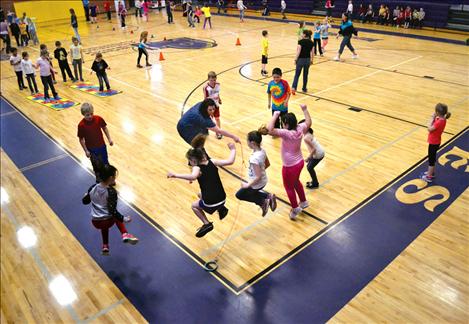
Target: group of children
x=24, y=66
x=400, y=16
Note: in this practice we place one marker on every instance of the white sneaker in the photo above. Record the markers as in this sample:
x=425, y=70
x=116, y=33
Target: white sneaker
x=127, y=219
x=336, y=58
x=304, y=204
x=354, y=56
x=294, y=213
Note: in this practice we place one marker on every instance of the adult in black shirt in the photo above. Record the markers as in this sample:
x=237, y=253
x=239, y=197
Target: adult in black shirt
x=304, y=58
x=15, y=31
x=346, y=30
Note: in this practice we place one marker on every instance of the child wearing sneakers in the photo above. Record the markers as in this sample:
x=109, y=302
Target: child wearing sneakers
x=325, y=34
x=212, y=91
x=77, y=58
x=316, y=154
x=258, y=162
x=61, y=55
x=45, y=71
x=278, y=94
x=15, y=61
x=100, y=66
x=265, y=51
x=436, y=126
x=205, y=171
x=292, y=157
x=91, y=138
x=317, y=38
x=104, y=213
x=28, y=70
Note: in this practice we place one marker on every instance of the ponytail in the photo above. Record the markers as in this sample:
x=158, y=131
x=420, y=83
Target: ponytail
x=256, y=136
x=198, y=141
x=442, y=110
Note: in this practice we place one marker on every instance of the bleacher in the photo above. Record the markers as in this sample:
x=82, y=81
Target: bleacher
x=437, y=12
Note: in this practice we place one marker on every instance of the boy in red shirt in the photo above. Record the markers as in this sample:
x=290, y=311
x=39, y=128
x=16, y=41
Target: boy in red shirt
x=107, y=9
x=91, y=138
x=436, y=126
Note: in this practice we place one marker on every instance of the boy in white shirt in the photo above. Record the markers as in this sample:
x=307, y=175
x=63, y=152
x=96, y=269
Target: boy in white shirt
x=28, y=70
x=15, y=61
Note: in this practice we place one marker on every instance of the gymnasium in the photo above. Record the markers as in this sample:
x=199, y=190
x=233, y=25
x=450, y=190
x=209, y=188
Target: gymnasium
x=263, y=161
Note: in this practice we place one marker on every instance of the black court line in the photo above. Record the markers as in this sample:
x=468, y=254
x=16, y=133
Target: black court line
x=343, y=103
x=225, y=169
x=175, y=241
x=428, y=77
x=348, y=213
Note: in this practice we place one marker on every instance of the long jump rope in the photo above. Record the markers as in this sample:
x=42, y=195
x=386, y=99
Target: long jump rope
x=212, y=265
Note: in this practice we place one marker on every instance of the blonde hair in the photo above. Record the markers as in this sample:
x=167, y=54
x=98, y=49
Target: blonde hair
x=144, y=35
x=86, y=108
x=442, y=110
x=212, y=75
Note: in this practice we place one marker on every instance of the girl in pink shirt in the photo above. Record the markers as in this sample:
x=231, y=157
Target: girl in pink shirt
x=292, y=157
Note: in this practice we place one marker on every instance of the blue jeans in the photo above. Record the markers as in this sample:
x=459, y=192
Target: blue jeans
x=75, y=29
x=301, y=64
x=98, y=159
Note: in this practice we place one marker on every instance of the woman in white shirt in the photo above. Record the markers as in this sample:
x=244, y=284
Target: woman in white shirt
x=252, y=190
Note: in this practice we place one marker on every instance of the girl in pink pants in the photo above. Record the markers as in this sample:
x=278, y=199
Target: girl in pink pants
x=292, y=158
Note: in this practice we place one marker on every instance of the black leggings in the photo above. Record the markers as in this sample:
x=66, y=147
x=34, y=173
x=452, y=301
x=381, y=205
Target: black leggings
x=346, y=42
x=32, y=82
x=252, y=195
x=19, y=77
x=140, y=52
x=432, y=149
x=47, y=82
x=311, y=164
x=317, y=43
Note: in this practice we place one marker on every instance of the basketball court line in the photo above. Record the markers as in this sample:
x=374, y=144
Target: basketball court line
x=323, y=183
x=344, y=104
x=40, y=163
x=360, y=78
x=37, y=259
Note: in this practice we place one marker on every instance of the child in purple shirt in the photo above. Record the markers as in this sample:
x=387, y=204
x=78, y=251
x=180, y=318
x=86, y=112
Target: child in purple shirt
x=45, y=71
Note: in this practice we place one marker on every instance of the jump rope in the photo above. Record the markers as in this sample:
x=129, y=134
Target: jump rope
x=212, y=265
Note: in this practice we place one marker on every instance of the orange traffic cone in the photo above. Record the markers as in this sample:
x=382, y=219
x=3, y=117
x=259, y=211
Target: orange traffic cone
x=161, y=56
x=238, y=43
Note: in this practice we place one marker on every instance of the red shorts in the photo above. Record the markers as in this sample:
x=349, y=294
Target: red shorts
x=216, y=114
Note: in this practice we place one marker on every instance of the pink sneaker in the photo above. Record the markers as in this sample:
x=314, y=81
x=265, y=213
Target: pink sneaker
x=129, y=238
x=105, y=249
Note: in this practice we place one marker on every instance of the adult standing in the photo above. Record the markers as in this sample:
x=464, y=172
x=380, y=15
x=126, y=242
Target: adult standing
x=86, y=6
x=5, y=35
x=198, y=120
x=346, y=30
x=138, y=8
x=241, y=7
x=283, y=7
x=304, y=58
x=328, y=7
x=25, y=20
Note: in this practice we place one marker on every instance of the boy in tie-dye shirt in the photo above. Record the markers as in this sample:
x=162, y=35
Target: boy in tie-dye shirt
x=278, y=94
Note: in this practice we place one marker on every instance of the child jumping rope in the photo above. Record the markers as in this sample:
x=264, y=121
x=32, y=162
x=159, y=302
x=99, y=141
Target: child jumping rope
x=104, y=213
x=292, y=157
x=436, y=126
x=316, y=154
x=258, y=162
x=205, y=171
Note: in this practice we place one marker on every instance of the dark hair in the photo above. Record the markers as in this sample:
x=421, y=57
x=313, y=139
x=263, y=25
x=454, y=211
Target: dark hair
x=290, y=120
x=204, y=105
x=14, y=49
x=277, y=71
x=442, y=110
x=72, y=11
x=197, y=154
x=58, y=43
x=199, y=141
x=256, y=136
x=310, y=130
x=302, y=24
x=307, y=33
x=264, y=33
x=107, y=171
x=42, y=46
x=24, y=54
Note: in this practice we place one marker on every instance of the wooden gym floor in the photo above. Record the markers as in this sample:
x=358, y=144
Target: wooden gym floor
x=392, y=88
